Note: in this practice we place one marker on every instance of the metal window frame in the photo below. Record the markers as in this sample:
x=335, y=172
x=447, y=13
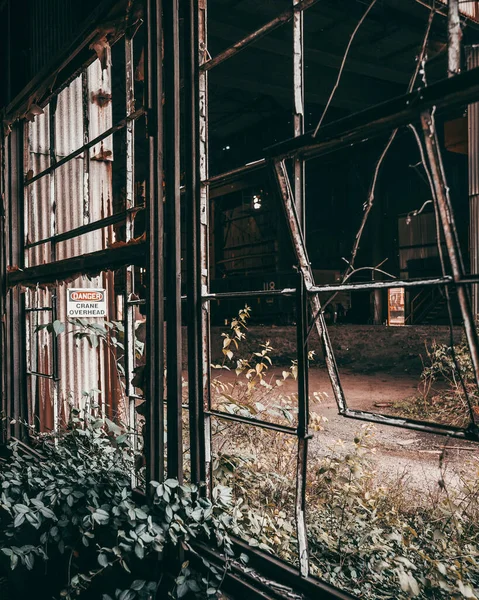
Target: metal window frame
x=163, y=83
x=358, y=127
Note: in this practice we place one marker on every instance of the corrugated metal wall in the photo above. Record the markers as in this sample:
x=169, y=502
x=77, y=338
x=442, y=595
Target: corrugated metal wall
x=56, y=204
x=52, y=28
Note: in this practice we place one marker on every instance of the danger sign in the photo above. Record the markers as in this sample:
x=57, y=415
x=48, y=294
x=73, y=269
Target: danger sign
x=86, y=302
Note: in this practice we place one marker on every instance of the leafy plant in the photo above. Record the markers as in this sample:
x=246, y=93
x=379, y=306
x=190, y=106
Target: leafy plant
x=71, y=507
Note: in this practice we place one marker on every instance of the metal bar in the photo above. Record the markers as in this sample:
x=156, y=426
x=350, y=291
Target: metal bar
x=467, y=434
x=86, y=139
x=120, y=125
x=106, y=260
x=139, y=302
x=304, y=265
x=380, y=285
x=173, y=238
x=193, y=279
x=37, y=374
x=249, y=294
x=298, y=118
x=250, y=421
x=284, y=17
x=450, y=235
x=17, y=333
x=382, y=118
x=303, y=424
x=43, y=309
x=3, y=288
x=222, y=177
x=94, y=226
x=129, y=308
x=55, y=369
x=454, y=37
x=155, y=306
x=280, y=572
x=203, y=223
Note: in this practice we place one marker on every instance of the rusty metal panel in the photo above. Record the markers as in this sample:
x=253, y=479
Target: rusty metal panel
x=468, y=9
x=69, y=119
x=100, y=109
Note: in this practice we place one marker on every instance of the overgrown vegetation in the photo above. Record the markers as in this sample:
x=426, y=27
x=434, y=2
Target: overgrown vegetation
x=69, y=519
x=447, y=384
x=72, y=508
x=368, y=535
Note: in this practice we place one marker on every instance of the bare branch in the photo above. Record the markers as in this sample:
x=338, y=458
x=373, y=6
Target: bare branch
x=343, y=63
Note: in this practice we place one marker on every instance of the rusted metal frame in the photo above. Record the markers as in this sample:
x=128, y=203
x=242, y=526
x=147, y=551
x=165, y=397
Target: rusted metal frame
x=55, y=366
x=250, y=421
x=173, y=238
x=129, y=309
x=304, y=267
x=250, y=294
x=3, y=288
x=93, y=226
x=53, y=257
x=15, y=364
x=38, y=374
x=380, y=285
x=86, y=139
x=454, y=37
x=95, y=262
x=382, y=118
x=248, y=168
x=303, y=425
x=298, y=7
x=193, y=265
x=424, y=426
x=277, y=577
x=203, y=218
x=442, y=197
x=59, y=163
x=154, y=438
x=298, y=118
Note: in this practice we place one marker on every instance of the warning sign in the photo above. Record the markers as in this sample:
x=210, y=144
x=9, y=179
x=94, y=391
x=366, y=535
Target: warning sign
x=86, y=302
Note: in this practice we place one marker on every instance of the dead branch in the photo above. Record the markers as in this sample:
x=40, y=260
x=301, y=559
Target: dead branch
x=343, y=63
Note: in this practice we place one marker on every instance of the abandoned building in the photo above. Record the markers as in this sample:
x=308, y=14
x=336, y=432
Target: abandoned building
x=181, y=179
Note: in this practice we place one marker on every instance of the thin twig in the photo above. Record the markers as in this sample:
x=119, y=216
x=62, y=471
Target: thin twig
x=343, y=63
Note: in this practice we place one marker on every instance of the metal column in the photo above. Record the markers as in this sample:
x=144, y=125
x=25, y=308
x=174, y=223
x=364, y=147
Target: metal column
x=173, y=238
x=472, y=53
x=154, y=444
x=192, y=202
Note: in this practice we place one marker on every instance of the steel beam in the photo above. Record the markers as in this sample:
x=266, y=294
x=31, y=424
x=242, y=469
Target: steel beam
x=193, y=234
x=171, y=62
x=382, y=118
x=304, y=267
x=291, y=13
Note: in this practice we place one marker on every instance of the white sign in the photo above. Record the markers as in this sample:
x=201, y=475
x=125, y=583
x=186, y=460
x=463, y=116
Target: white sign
x=86, y=302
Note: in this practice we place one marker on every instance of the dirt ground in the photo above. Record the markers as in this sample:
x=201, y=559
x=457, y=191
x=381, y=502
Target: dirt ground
x=410, y=455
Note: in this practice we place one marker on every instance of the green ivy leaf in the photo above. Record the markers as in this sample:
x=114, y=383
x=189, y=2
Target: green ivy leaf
x=103, y=560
